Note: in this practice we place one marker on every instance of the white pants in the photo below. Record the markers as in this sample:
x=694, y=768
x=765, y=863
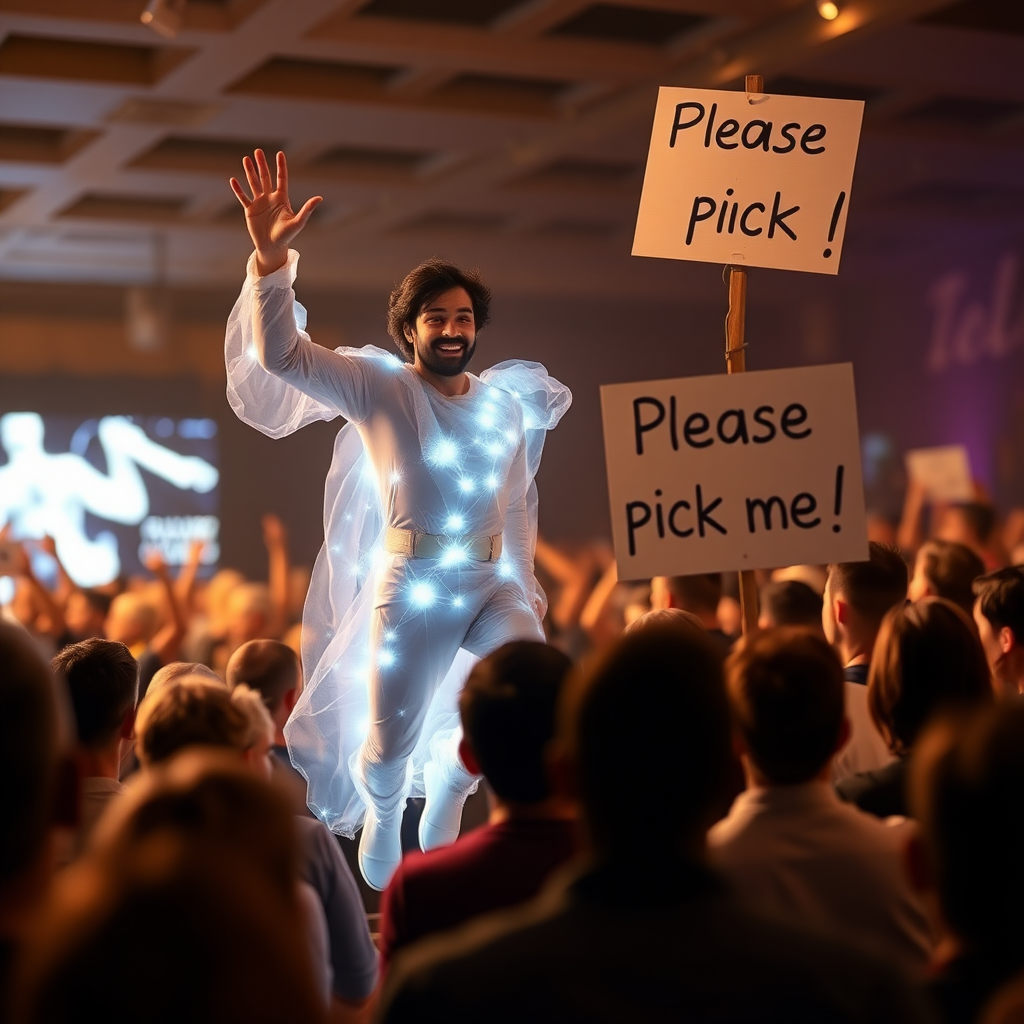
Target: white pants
x=422, y=615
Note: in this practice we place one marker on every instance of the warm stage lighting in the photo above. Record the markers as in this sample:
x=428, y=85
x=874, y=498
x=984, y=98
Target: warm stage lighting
x=164, y=16
x=828, y=9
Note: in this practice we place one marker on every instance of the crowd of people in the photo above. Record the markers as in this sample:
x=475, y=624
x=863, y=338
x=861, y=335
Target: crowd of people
x=814, y=822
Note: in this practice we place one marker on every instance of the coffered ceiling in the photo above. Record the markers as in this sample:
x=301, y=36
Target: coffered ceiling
x=506, y=133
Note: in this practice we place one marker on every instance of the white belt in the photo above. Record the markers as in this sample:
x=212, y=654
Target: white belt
x=430, y=545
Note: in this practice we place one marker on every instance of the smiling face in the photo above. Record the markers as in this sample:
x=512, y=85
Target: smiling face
x=444, y=334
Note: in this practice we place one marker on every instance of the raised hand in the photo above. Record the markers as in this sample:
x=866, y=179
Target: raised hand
x=153, y=560
x=274, y=531
x=268, y=214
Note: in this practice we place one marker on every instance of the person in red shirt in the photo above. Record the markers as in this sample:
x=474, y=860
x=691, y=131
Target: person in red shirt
x=508, y=717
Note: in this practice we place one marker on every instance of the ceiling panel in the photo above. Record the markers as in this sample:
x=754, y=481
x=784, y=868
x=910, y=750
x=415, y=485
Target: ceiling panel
x=46, y=57
x=459, y=12
x=616, y=23
x=511, y=130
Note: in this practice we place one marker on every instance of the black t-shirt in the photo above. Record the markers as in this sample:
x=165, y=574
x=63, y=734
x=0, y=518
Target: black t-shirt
x=856, y=674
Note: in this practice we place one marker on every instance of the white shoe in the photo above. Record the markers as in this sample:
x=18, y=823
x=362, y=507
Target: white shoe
x=442, y=810
x=380, y=849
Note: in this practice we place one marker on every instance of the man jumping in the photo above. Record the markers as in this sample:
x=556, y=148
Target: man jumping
x=430, y=517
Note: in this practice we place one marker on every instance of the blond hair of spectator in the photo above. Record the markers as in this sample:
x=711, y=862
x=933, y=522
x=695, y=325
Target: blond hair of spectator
x=194, y=711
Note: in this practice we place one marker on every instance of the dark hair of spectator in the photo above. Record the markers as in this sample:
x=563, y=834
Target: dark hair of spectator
x=951, y=570
x=102, y=679
x=1001, y=599
x=647, y=731
x=787, y=695
x=927, y=657
x=269, y=666
x=968, y=777
x=700, y=593
x=871, y=588
x=791, y=603
x=421, y=286
x=508, y=708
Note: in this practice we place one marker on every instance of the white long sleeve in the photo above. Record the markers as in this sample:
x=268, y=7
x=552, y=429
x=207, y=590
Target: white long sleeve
x=278, y=379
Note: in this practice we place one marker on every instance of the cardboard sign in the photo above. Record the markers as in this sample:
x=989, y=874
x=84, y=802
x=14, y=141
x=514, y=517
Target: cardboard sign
x=754, y=470
x=762, y=181
x=944, y=472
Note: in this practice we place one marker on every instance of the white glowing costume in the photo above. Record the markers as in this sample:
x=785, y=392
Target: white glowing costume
x=388, y=639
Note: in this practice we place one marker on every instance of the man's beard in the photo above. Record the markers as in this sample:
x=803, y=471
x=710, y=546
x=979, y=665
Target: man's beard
x=445, y=366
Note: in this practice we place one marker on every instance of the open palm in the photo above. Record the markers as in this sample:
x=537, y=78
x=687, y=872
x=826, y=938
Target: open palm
x=269, y=215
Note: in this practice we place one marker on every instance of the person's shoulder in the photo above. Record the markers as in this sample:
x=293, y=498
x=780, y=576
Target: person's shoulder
x=317, y=843
x=798, y=973
x=879, y=792
x=728, y=833
x=428, y=869
x=453, y=968
x=558, y=943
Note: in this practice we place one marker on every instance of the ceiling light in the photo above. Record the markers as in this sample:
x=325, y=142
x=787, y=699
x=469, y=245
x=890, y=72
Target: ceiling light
x=164, y=16
x=828, y=9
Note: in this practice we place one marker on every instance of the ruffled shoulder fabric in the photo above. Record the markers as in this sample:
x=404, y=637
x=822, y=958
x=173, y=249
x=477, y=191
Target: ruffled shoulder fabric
x=545, y=401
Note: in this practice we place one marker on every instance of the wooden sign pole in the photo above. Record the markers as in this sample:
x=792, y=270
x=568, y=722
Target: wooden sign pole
x=736, y=362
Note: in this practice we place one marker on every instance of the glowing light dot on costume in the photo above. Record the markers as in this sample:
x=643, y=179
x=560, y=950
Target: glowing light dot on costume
x=422, y=595
x=454, y=554
x=505, y=569
x=445, y=452
x=466, y=485
x=493, y=483
x=390, y=636
x=495, y=448
x=385, y=658
x=486, y=419
x=457, y=601
x=455, y=522
x=396, y=477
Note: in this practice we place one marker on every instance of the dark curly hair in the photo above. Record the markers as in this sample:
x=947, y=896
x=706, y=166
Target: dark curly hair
x=421, y=286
